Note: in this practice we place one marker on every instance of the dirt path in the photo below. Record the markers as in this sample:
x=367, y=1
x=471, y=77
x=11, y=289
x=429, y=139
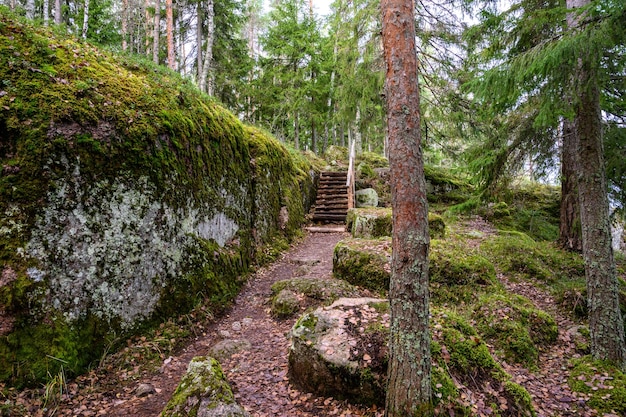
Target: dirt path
x=258, y=375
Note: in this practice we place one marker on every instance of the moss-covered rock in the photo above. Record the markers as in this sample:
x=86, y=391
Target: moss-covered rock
x=203, y=391
x=373, y=222
x=126, y=196
x=363, y=262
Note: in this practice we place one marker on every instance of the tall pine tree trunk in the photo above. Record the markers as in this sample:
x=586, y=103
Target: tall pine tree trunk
x=605, y=320
x=569, y=225
x=408, y=388
x=147, y=28
x=30, y=9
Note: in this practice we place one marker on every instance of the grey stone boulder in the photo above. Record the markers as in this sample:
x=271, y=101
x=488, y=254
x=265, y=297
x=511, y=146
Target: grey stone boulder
x=367, y=197
x=340, y=351
x=228, y=347
x=291, y=296
x=203, y=392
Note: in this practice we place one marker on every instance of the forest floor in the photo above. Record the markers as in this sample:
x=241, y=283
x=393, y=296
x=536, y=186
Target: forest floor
x=259, y=375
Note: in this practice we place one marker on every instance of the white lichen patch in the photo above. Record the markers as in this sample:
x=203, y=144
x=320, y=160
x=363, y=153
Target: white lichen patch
x=109, y=248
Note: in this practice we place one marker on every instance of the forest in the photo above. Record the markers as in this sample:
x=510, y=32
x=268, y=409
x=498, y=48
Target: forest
x=519, y=94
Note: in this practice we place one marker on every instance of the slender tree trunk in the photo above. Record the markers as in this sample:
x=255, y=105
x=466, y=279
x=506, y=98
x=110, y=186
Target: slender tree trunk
x=30, y=9
x=169, y=17
x=124, y=24
x=85, y=19
x=58, y=12
x=605, y=320
x=569, y=225
x=199, y=42
x=358, y=137
x=46, y=12
x=147, y=28
x=313, y=137
x=205, y=83
x=296, y=133
x=156, y=34
x=408, y=387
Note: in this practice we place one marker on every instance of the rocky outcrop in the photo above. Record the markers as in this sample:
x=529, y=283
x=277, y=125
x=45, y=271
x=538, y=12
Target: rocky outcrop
x=364, y=262
x=203, y=392
x=132, y=199
x=338, y=351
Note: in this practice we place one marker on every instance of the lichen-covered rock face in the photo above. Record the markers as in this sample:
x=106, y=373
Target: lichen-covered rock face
x=364, y=262
x=338, y=351
x=203, y=392
x=132, y=198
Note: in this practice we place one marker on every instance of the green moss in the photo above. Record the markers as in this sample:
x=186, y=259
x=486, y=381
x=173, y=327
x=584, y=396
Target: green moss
x=363, y=262
x=458, y=275
x=372, y=160
x=515, y=326
x=204, y=385
x=516, y=253
x=602, y=382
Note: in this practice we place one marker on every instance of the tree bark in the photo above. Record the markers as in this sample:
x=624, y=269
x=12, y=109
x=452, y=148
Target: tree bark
x=58, y=12
x=85, y=20
x=569, y=225
x=408, y=389
x=46, y=12
x=156, y=34
x=169, y=17
x=30, y=9
x=605, y=320
x=147, y=27
x=124, y=24
x=204, y=83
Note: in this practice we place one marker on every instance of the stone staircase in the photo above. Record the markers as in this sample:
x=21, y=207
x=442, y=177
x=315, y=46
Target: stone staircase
x=331, y=205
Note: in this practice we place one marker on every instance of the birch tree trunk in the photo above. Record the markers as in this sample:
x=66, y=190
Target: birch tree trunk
x=205, y=82
x=169, y=16
x=605, y=321
x=85, y=19
x=46, y=12
x=58, y=12
x=124, y=24
x=408, y=387
x=30, y=9
x=156, y=33
x=147, y=27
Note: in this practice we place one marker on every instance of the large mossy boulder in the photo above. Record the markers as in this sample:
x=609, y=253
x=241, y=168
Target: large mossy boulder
x=367, y=197
x=373, y=222
x=126, y=196
x=364, y=262
x=342, y=351
x=203, y=392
